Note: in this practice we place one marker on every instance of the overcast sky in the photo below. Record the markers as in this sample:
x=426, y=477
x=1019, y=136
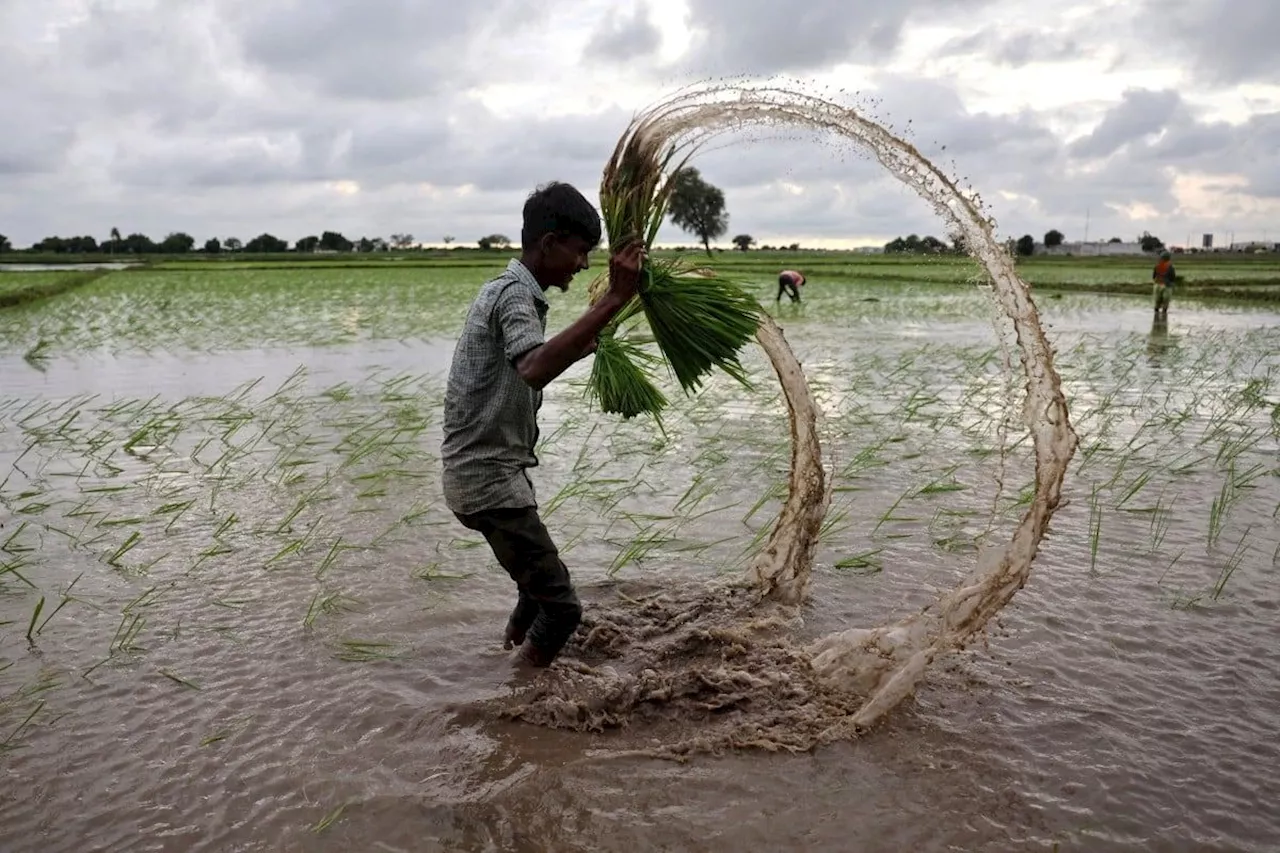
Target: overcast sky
x=234, y=117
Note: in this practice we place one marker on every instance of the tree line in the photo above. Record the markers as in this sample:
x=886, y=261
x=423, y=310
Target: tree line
x=181, y=243
x=695, y=206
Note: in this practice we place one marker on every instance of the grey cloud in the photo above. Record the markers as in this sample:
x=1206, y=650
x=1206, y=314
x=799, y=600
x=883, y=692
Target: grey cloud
x=1016, y=48
x=375, y=49
x=1140, y=113
x=1228, y=41
x=765, y=36
x=624, y=36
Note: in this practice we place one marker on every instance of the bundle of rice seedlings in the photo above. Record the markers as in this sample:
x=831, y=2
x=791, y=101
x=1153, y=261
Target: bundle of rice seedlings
x=699, y=321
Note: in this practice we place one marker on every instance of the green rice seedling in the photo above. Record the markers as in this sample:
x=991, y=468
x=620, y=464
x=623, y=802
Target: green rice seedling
x=622, y=379
x=128, y=545
x=650, y=539
x=327, y=603
x=67, y=598
x=35, y=614
x=698, y=320
x=126, y=636
x=329, y=820
x=362, y=651
x=10, y=742
x=432, y=572
x=1095, y=528
x=835, y=522
x=331, y=557
x=177, y=679
x=1161, y=518
x=865, y=563
x=1132, y=489
x=888, y=514
x=38, y=355
x=1233, y=563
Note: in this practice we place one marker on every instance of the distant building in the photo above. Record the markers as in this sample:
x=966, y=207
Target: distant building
x=1091, y=249
x=1254, y=246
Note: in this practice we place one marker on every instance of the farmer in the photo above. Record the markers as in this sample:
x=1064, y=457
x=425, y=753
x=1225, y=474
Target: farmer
x=500, y=366
x=1162, y=277
x=789, y=282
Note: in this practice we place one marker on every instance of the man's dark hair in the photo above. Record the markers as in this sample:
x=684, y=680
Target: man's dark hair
x=558, y=208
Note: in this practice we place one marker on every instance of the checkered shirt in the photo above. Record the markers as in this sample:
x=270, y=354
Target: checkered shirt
x=490, y=413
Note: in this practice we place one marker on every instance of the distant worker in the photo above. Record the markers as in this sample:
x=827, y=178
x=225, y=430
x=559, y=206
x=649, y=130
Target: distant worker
x=790, y=282
x=1163, y=277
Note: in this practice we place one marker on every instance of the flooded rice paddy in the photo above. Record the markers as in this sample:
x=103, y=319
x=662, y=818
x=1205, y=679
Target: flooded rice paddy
x=236, y=614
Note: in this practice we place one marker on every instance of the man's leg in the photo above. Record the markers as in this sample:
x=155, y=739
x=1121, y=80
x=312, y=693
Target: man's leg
x=549, y=611
x=782, y=288
x=526, y=609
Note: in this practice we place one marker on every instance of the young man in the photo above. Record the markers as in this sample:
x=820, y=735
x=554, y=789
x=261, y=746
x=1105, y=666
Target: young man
x=500, y=367
x=1162, y=277
x=789, y=282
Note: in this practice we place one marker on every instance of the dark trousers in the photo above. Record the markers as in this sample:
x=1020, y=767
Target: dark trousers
x=548, y=611
x=789, y=288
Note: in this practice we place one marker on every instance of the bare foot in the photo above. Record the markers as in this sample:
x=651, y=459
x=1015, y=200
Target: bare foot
x=532, y=656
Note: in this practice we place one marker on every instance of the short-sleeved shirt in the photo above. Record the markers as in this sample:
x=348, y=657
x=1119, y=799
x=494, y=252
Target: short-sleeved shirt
x=792, y=277
x=490, y=413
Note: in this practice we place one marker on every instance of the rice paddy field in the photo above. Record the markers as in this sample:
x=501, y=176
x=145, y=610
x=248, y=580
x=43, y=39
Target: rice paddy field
x=236, y=615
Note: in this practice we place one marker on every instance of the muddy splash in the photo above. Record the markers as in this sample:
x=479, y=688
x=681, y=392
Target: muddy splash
x=724, y=659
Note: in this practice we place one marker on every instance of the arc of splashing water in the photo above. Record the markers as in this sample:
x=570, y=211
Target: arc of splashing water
x=885, y=663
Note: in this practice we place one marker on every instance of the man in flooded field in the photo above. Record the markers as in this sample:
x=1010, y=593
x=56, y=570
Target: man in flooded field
x=789, y=282
x=1162, y=279
x=500, y=366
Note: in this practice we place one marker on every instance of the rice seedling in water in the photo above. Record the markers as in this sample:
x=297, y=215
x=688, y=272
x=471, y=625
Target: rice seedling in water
x=1232, y=564
x=177, y=679
x=362, y=651
x=329, y=820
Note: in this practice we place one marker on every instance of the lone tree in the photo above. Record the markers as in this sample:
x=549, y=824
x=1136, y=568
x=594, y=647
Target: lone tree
x=448, y=240
x=265, y=244
x=233, y=244
x=332, y=241
x=402, y=241
x=1026, y=245
x=212, y=246
x=744, y=242
x=494, y=241
x=697, y=207
x=115, y=239
x=5, y=245
x=1150, y=242
x=1053, y=238
x=177, y=243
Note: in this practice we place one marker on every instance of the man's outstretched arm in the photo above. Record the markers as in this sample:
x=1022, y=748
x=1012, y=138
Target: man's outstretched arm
x=540, y=365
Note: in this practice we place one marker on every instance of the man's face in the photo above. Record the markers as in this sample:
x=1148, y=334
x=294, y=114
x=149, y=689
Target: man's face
x=565, y=258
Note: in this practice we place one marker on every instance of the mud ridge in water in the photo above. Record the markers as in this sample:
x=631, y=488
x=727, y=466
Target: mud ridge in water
x=723, y=660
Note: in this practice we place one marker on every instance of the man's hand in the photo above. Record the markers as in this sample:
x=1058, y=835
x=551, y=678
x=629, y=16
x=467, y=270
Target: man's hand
x=624, y=271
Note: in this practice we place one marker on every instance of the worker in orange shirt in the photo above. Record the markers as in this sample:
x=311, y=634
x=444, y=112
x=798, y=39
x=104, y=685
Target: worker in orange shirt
x=1162, y=278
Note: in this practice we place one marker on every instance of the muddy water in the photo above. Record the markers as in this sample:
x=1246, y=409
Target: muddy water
x=1118, y=705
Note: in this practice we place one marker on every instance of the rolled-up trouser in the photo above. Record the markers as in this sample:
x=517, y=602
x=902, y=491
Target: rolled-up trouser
x=1162, y=294
x=548, y=611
